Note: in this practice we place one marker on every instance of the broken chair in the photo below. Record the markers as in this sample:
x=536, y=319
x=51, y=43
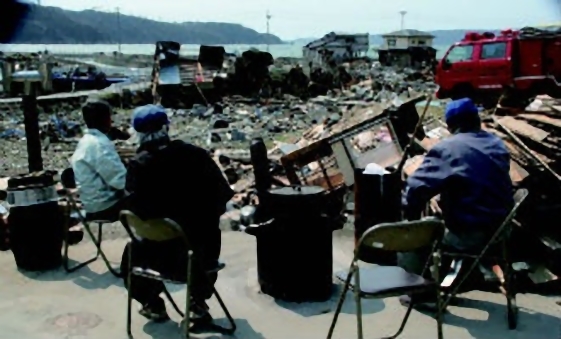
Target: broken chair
x=498, y=243
x=162, y=230
x=70, y=191
x=390, y=281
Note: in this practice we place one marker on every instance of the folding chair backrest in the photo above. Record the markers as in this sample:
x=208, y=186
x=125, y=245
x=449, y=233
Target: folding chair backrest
x=67, y=178
x=403, y=236
x=519, y=198
x=154, y=229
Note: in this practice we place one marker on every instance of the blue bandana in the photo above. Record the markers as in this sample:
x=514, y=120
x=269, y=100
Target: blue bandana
x=149, y=118
x=460, y=108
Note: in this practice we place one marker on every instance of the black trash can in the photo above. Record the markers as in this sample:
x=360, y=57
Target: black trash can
x=35, y=221
x=295, y=250
x=377, y=200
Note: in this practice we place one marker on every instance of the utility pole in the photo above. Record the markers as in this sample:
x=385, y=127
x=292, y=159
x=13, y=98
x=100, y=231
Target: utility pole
x=119, y=28
x=402, y=13
x=268, y=17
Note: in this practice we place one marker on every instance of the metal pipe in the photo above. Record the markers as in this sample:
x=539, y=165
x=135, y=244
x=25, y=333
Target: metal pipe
x=412, y=140
x=31, y=122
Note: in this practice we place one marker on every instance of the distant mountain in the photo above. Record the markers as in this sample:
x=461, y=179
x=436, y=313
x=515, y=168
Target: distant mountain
x=301, y=41
x=53, y=25
x=448, y=37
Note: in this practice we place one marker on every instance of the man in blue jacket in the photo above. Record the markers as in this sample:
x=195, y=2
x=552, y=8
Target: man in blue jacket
x=470, y=171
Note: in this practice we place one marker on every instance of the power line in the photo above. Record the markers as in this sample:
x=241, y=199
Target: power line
x=268, y=17
x=119, y=28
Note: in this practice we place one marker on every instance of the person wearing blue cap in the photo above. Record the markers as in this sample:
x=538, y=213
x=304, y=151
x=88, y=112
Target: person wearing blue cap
x=173, y=179
x=98, y=169
x=470, y=171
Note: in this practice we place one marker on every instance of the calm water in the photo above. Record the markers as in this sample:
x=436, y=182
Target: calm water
x=276, y=50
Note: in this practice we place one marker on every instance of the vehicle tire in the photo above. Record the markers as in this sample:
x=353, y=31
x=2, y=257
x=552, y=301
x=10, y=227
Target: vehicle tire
x=462, y=91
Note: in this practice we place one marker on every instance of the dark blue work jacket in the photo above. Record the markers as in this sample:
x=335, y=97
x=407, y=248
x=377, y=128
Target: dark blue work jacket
x=470, y=171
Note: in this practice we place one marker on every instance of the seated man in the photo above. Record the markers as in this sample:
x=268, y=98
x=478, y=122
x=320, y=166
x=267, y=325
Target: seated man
x=180, y=181
x=98, y=170
x=470, y=171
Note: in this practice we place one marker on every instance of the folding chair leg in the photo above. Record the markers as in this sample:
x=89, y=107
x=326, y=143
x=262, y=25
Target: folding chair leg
x=437, y=257
x=403, y=322
x=188, y=294
x=87, y=262
x=512, y=309
x=129, y=295
x=340, y=303
x=456, y=288
x=358, y=303
x=173, y=303
x=116, y=273
x=233, y=326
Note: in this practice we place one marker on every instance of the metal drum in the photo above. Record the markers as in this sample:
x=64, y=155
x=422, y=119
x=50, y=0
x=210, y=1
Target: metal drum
x=35, y=221
x=295, y=250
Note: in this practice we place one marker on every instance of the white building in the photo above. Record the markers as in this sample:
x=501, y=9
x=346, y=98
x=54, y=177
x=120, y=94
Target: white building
x=407, y=48
x=406, y=38
x=337, y=46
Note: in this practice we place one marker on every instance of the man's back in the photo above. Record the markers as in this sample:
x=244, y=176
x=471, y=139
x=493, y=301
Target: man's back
x=478, y=191
x=98, y=172
x=180, y=181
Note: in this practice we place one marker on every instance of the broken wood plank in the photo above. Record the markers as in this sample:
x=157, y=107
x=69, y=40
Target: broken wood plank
x=544, y=119
x=523, y=128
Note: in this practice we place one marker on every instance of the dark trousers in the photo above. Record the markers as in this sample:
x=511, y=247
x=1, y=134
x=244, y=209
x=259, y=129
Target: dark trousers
x=415, y=261
x=112, y=213
x=169, y=258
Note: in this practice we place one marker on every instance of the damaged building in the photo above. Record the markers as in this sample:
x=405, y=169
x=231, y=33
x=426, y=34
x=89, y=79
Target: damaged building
x=338, y=47
x=407, y=48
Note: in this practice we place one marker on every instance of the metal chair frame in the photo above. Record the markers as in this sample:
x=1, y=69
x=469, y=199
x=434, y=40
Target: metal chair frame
x=73, y=206
x=502, y=235
x=396, y=237
x=162, y=230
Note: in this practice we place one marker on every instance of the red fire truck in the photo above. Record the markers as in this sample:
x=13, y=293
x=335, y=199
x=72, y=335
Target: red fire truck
x=526, y=62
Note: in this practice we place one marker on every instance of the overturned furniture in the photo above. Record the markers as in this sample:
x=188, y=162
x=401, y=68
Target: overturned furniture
x=337, y=160
x=328, y=156
x=181, y=81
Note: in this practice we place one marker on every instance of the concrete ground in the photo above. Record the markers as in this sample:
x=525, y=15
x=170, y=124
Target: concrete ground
x=91, y=303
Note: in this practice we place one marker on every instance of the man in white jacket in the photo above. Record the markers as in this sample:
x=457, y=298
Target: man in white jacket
x=99, y=173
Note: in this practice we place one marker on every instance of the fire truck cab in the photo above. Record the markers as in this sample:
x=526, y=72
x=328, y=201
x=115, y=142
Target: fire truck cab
x=484, y=65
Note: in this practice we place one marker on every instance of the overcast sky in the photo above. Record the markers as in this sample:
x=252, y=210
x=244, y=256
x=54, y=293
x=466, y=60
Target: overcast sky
x=293, y=19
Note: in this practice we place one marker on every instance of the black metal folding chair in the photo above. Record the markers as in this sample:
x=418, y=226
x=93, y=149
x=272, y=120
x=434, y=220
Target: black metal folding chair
x=162, y=230
x=71, y=192
x=499, y=239
x=390, y=281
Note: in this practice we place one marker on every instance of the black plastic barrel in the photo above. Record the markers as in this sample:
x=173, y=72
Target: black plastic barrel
x=295, y=250
x=35, y=221
x=377, y=200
